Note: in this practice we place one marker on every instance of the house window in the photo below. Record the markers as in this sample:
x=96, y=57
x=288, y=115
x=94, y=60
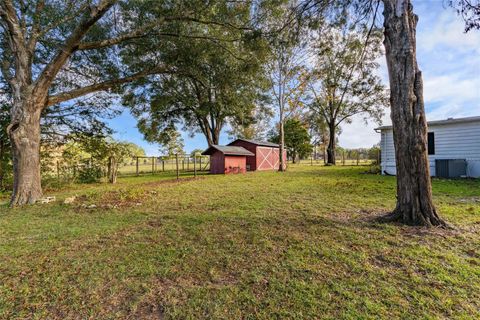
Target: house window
x=431, y=143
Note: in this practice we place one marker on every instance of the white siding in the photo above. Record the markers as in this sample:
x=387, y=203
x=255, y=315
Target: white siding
x=452, y=141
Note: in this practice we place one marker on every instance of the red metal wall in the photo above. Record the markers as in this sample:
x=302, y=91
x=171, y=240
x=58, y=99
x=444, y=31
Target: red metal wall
x=235, y=164
x=251, y=160
x=266, y=158
x=217, y=163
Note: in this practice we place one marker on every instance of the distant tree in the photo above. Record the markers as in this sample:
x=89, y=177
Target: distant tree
x=106, y=152
x=287, y=67
x=297, y=139
x=318, y=131
x=345, y=81
x=171, y=141
x=196, y=153
x=374, y=153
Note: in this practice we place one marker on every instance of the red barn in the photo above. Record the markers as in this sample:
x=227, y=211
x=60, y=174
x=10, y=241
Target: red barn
x=227, y=159
x=266, y=155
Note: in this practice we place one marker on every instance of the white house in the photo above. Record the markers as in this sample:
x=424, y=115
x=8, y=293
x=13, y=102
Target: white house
x=453, y=148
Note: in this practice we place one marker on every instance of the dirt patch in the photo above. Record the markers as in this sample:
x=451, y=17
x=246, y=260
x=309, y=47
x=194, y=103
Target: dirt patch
x=114, y=199
x=170, y=181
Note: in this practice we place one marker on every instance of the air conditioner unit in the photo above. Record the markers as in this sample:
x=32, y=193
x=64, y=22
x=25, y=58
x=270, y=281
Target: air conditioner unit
x=451, y=168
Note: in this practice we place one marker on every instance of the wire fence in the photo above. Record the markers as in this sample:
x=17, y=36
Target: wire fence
x=344, y=159
x=66, y=170
x=152, y=165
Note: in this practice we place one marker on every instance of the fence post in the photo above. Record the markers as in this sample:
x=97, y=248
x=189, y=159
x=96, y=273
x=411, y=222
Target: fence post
x=137, y=167
x=183, y=164
x=153, y=165
x=176, y=161
x=378, y=157
x=188, y=163
x=200, y=163
x=343, y=157
x=194, y=166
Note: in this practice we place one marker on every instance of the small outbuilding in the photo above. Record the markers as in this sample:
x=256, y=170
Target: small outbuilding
x=266, y=155
x=227, y=159
x=453, y=148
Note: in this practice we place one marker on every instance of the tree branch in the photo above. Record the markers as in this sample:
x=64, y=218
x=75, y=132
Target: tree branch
x=101, y=86
x=71, y=44
x=16, y=39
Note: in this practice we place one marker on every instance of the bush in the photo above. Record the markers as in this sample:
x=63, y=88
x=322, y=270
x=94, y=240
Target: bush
x=90, y=174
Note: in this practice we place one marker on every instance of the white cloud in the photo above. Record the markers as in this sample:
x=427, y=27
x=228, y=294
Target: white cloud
x=440, y=27
x=452, y=89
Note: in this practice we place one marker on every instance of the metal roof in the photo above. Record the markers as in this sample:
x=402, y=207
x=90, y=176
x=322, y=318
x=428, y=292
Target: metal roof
x=228, y=150
x=258, y=143
x=441, y=122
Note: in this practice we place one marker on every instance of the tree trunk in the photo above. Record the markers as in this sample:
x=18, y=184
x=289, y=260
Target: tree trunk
x=2, y=170
x=24, y=132
x=282, y=143
x=331, y=144
x=414, y=190
x=112, y=170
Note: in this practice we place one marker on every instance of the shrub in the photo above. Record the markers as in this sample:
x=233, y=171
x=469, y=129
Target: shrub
x=90, y=174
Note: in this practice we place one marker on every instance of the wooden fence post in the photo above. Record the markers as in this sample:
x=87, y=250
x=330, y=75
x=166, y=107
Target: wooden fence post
x=153, y=165
x=200, y=163
x=163, y=165
x=176, y=161
x=343, y=157
x=137, y=167
x=194, y=166
x=188, y=163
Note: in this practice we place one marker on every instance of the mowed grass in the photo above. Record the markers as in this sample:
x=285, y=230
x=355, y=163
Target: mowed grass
x=265, y=245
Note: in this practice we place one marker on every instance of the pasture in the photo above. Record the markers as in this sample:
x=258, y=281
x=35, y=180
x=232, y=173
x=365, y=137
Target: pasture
x=263, y=245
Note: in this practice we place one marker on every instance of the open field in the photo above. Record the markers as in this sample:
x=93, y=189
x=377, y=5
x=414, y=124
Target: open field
x=265, y=245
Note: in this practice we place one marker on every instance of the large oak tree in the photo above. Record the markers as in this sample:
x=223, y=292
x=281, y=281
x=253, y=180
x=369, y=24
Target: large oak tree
x=57, y=51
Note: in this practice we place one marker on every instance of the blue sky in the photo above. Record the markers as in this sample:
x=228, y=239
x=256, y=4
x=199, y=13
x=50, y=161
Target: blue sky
x=450, y=63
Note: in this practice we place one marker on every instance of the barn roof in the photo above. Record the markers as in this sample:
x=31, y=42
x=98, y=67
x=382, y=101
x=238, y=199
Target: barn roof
x=441, y=122
x=228, y=150
x=258, y=143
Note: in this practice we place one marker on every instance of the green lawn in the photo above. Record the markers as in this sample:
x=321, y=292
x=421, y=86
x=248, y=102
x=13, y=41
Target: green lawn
x=265, y=245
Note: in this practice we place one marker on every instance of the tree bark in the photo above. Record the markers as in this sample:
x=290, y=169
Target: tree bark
x=414, y=190
x=112, y=170
x=24, y=132
x=331, y=144
x=281, y=166
x=2, y=169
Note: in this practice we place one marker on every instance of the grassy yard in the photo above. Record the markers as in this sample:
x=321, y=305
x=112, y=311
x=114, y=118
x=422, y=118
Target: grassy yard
x=298, y=245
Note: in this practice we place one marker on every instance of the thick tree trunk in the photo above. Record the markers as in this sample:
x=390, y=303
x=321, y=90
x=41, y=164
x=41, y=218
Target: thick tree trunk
x=331, y=144
x=24, y=132
x=414, y=190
